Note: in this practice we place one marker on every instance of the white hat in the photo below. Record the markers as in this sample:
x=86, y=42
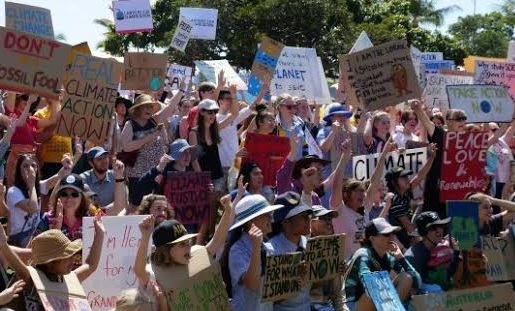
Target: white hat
x=208, y=104
x=250, y=207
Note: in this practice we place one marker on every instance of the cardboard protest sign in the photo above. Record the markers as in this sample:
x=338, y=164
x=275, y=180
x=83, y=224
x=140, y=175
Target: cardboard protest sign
x=323, y=256
x=435, y=90
x=464, y=157
x=282, y=274
x=189, y=195
x=35, y=64
x=381, y=291
x=268, y=152
x=82, y=48
x=510, y=57
x=115, y=271
x=363, y=42
x=30, y=19
x=496, y=73
x=380, y=76
x=500, y=252
x=493, y=297
x=196, y=286
x=264, y=64
x=297, y=73
x=324, y=98
x=182, y=35
x=464, y=224
x=482, y=103
x=211, y=68
x=176, y=73
x=412, y=159
x=144, y=71
x=59, y=296
x=203, y=22
x=90, y=94
x=132, y=16
x=470, y=62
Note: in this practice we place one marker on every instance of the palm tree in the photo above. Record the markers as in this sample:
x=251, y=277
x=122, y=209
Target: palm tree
x=113, y=43
x=60, y=37
x=424, y=12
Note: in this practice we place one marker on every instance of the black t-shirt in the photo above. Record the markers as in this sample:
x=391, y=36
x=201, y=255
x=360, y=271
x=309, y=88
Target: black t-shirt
x=432, y=183
x=400, y=208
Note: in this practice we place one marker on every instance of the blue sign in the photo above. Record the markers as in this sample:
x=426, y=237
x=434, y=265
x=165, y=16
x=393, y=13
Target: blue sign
x=464, y=225
x=434, y=66
x=381, y=291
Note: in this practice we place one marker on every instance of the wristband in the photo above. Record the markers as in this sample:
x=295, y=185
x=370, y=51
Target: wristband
x=120, y=180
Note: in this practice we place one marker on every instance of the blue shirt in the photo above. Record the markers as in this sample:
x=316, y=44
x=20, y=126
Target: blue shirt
x=103, y=188
x=239, y=260
x=301, y=302
x=297, y=128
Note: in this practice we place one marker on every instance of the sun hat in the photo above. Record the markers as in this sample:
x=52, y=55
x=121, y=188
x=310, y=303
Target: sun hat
x=319, y=211
x=170, y=232
x=72, y=181
x=292, y=206
x=396, y=172
x=178, y=146
x=336, y=109
x=145, y=99
x=250, y=207
x=427, y=219
x=380, y=226
x=208, y=104
x=53, y=245
x=305, y=162
x=132, y=300
x=96, y=152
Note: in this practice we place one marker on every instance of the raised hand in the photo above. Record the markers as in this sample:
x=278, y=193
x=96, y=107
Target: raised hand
x=118, y=169
x=146, y=226
x=256, y=236
x=99, y=225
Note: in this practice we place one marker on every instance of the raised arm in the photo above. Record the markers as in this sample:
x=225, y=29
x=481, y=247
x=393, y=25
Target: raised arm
x=146, y=227
x=120, y=192
x=12, y=259
x=220, y=234
x=235, y=108
x=416, y=106
x=162, y=115
x=91, y=263
x=378, y=170
x=336, y=194
x=421, y=175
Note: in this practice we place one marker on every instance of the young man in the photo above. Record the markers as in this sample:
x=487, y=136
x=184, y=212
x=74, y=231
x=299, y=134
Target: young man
x=100, y=178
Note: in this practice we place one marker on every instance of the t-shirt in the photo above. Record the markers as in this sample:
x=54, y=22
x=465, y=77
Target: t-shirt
x=352, y=224
x=228, y=145
x=25, y=134
x=17, y=215
x=56, y=146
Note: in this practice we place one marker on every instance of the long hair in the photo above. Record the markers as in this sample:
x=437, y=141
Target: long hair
x=148, y=200
x=19, y=182
x=161, y=256
x=213, y=130
x=82, y=211
x=377, y=116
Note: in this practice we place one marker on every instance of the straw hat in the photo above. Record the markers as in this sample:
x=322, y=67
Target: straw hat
x=145, y=99
x=250, y=207
x=53, y=245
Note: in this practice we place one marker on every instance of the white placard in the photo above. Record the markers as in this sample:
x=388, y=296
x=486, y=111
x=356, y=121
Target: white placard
x=363, y=42
x=132, y=16
x=211, y=68
x=182, y=35
x=203, y=21
x=436, y=94
x=510, y=58
x=325, y=97
x=176, y=73
x=313, y=147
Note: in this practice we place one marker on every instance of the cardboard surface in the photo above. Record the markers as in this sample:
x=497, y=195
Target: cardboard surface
x=282, y=276
x=323, y=256
x=30, y=19
x=144, y=72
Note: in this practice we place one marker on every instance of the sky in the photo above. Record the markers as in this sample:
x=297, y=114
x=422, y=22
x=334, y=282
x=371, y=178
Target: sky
x=74, y=18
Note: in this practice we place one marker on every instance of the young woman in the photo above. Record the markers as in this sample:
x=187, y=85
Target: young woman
x=409, y=123
x=252, y=177
x=288, y=123
x=377, y=132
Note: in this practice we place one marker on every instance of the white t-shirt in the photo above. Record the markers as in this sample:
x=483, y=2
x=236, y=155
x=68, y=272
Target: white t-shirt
x=352, y=224
x=228, y=145
x=400, y=139
x=17, y=215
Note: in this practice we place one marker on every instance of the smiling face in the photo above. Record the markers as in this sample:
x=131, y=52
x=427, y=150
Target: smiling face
x=209, y=116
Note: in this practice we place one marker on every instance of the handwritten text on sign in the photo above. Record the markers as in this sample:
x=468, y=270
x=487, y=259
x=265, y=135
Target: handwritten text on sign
x=281, y=277
x=381, y=291
x=324, y=254
x=29, y=19
x=500, y=252
x=144, y=71
x=464, y=159
x=177, y=72
x=115, y=271
x=482, y=103
x=380, y=76
x=496, y=73
x=31, y=64
x=436, y=94
x=464, y=223
x=88, y=103
x=188, y=194
x=182, y=35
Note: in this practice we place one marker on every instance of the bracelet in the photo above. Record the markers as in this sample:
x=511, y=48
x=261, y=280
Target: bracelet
x=120, y=180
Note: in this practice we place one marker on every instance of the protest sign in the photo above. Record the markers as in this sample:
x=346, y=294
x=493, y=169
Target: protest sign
x=211, y=68
x=431, y=56
x=59, y=296
x=30, y=19
x=464, y=158
x=363, y=42
x=132, y=16
x=500, y=252
x=268, y=152
x=420, y=70
x=189, y=195
x=435, y=89
x=176, y=73
x=144, y=71
x=297, y=73
x=203, y=22
x=90, y=94
x=381, y=291
x=79, y=48
x=282, y=273
x=35, y=64
x=470, y=62
x=412, y=159
x=115, y=270
x=323, y=256
x=481, y=103
x=493, y=297
x=434, y=66
x=313, y=147
x=510, y=57
x=264, y=64
x=464, y=225
x=496, y=73
x=196, y=286
x=324, y=98
x=380, y=76
x=182, y=35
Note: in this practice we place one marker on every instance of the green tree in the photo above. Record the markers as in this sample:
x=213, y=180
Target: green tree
x=425, y=12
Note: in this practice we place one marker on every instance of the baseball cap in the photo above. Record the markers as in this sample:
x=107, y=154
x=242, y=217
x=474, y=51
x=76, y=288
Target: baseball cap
x=396, y=172
x=380, y=226
x=96, y=152
x=319, y=211
x=72, y=181
x=292, y=206
x=170, y=232
x=428, y=219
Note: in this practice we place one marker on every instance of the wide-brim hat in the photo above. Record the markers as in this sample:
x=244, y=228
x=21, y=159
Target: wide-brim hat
x=180, y=145
x=250, y=207
x=145, y=99
x=336, y=109
x=53, y=245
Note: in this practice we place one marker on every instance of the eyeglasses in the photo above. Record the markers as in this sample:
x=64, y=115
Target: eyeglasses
x=464, y=118
x=65, y=194
x=210, y=112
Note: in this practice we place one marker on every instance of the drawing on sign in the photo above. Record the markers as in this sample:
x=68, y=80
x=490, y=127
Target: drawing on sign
x=381, y=291
x=464, y=225
x=323, y=256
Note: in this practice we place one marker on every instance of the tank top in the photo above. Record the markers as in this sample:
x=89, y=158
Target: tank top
x=208, y=157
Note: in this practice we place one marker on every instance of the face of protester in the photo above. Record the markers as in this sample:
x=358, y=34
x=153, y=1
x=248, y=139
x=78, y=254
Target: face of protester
x=340, y=119
x=356, y=198
x=185, y=107
x=185, y=158
x=382, y=125
x=29, y=167
x=267, y=125
x=121, y=109
x=146, y=111
x=70, y=199
x=101, y=164
x=403, y=183
x=225, y=102
x=435, y=233
x=456, y=122
x=302, y=109
x=287, y=108
x=181, y=252
x=263, y=222
x=322, y=225
x=159, y=209
x=299, y=224
x=412, y=122
x=61, y=266
x=485, y=211
x=382, y=242
x=208, y=95
x=209, y=116
x=256, y=178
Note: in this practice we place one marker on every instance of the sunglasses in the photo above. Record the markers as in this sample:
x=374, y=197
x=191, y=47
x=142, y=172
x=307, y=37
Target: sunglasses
x=211, y=112
x=73, y=194
x=459, y=119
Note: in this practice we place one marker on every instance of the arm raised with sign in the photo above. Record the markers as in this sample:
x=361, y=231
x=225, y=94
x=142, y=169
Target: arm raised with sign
x=336, y=194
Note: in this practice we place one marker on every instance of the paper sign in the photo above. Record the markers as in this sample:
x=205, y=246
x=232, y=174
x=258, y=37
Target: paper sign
x=510, y=57
x=282, y=273
x=115, y=270
x=132, y=16
x=464, y=158
x=412, y=159
x=182, y=35
x=144, y=71
x=435, y=92
x=381, y=76
x=470, y=62
x=89, y=98
x=203, y=22
x=496, y=73
x=493, y=297
x=381, y=291
x=464, y=225
x=30, y=19
x=323, y=256
x=363, y=42
x=481, y=103
x=211, y=68
x=431, y=56
x=325, y=96
x=500, y=252
x=313, y=147
x=176, y=73
x=268, y=152
x=188, y=194
x=434, y=66
x=264, y=64
x=32, y=64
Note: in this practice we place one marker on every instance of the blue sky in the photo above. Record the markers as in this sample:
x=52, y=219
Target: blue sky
x=74, y=18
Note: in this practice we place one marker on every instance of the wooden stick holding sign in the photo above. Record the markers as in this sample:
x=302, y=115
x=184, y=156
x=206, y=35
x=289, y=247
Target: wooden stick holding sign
x=324, y=254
